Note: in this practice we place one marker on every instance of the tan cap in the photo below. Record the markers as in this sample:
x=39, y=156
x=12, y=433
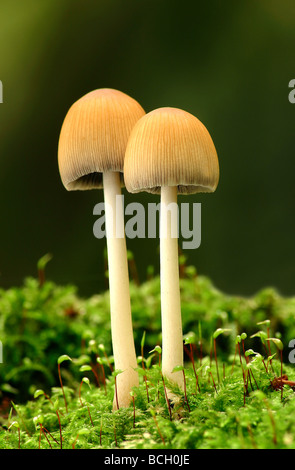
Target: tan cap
x=170, y=147
x=94, y=136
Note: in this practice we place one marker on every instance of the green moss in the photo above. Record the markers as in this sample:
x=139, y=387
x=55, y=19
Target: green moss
x=40, y=323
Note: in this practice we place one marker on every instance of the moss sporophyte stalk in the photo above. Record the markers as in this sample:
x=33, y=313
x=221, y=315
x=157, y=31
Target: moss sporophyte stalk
x=251, y=406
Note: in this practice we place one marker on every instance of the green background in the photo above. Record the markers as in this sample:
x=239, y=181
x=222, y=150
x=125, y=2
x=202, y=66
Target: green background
x=227, y=62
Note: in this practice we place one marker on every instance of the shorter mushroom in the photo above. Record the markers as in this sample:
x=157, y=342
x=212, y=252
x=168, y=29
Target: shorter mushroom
x=170, y=151
x=91, y=152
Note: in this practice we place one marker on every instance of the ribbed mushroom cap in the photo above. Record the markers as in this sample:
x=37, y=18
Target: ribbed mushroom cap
x=94, y=136
x=170, y=147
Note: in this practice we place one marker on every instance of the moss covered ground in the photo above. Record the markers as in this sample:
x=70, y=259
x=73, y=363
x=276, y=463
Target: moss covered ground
x=236, y=351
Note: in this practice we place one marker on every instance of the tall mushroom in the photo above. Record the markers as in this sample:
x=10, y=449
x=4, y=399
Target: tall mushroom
x=91, y=152
x=170, y=151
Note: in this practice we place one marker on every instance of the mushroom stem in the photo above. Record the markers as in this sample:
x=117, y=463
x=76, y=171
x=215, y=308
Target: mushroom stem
x=120, y=308
x=172, y=343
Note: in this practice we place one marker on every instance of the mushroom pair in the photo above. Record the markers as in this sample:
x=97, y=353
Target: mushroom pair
x=104, y=134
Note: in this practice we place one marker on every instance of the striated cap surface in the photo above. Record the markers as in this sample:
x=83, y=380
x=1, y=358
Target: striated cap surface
x=94, y=136
x=170, y=147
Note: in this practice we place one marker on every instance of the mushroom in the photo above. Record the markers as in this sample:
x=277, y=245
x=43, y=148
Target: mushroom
x=91, y=150
x=170, y=151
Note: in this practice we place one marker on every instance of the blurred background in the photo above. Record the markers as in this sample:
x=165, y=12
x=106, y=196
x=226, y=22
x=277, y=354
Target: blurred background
x=229, y=63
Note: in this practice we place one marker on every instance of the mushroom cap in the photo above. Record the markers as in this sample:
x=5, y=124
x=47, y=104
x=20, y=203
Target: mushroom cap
x=170, y=147
x=94, y=136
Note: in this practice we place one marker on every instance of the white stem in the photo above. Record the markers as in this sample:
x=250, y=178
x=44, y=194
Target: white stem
x=172, y=341
x=120, y=308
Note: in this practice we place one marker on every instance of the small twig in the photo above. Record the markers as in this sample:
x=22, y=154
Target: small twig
x=166, y=396
x=281, y=373
x=40, y=435
x=100, y=432
x=21, y=417
x=273, y=424
x=61, y=384
x=213, y=381
x=143, y=367
x=216, y=362
x=251, y=436
x=95, y=375
x=19, y=438
x=244, y=380
x=116, y=393
x=232, y=369
x=103, y=376
x=185, y=394
x=43, y=430
x=157, y=426
x=60, y=434
x=133, y=400
x=74, y=443
x=194, y=368
x=115, y=435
